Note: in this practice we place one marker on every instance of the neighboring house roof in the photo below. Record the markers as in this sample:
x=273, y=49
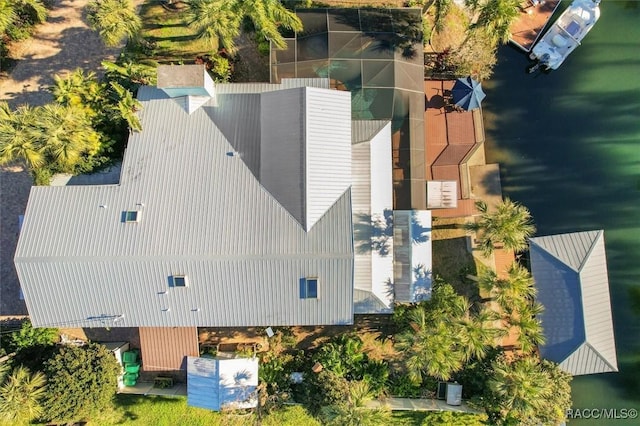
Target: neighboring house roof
x=372, y=200
x=570, y=271
x=216, y=383
x=224, y=198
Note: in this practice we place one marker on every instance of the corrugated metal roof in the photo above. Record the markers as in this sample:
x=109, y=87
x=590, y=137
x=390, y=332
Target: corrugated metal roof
x=364, y=130
x=203, y=214
x=413, y=257
x=372, y=200
x=570, y=271
x=166, y=348
x=218, y=384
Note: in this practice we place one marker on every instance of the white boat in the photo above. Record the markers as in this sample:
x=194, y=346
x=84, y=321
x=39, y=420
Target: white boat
x=566, y=33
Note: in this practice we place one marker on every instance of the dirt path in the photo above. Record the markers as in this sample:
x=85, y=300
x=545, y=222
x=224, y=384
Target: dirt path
x=59, y=46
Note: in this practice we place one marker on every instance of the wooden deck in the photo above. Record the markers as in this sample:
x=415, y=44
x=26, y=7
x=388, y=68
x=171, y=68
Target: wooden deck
x=526, y=30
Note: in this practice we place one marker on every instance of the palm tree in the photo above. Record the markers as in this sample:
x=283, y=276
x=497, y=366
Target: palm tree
x=352, y=411
x=530, y=333
x=126, y=107
x=267, y=16
x=217, y=21
x=522, y=387
x=510, y=224
x=69, y=135
x=431, y=347
x=478, y=334
x=129, y=74
x=20, y=138
x=496, y=17
x=79, y=89
x=20, y=395
x=114, y=20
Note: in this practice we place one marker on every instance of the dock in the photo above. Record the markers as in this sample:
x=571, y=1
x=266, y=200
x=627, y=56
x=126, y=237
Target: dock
x=535, y=16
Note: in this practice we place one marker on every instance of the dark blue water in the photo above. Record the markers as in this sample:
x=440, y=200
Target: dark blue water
x=569, y=147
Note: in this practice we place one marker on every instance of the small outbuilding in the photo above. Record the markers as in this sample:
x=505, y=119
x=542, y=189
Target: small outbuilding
x=217, y=383
x=570, y=272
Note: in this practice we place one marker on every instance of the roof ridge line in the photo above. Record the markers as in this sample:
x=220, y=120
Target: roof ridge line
x=600, y=234
x=531, y=241
x=600, y=356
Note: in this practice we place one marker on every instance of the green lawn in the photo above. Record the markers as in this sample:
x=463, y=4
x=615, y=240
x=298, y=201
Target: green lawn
x=174, y=40
x=159, y=411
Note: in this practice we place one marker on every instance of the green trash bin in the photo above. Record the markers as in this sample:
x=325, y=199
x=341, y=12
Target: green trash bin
x=130, y=357
x=130, y=379
x=132, y=368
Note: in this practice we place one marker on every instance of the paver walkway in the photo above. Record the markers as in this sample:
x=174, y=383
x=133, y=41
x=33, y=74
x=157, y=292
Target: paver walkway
x=59, y=46
x=419, y=404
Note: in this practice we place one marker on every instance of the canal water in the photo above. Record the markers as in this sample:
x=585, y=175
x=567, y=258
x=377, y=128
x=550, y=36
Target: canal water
x=568, y=143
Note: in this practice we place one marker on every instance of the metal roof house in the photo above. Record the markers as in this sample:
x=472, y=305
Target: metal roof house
x=231, y=215
x=570, y=272
x=236, y=206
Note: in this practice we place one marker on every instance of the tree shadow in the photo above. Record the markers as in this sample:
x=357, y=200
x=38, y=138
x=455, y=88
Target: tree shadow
x=373, y=233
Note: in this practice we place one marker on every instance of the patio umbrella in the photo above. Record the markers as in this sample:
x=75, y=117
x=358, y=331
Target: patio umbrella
x=467, y=93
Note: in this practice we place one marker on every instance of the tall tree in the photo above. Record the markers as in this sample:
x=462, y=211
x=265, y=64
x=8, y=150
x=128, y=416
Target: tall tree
x=220, y=20
x=20, y=395
x=115, y=20
x=217, y=21
x=125, y=107
x=496, y=17
x=510, y=224
x=268, y=16
x=70, y=137
x=20, y=137
x=130, y=75
x=441, y=334
x=527, y=391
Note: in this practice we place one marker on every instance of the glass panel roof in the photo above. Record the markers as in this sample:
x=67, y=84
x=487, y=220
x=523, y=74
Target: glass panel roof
x=345, y=45
x=344, y=20
x=313, y=47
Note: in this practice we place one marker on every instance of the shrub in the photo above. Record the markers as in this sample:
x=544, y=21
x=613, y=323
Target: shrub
x=81, y=382
x=28, y=336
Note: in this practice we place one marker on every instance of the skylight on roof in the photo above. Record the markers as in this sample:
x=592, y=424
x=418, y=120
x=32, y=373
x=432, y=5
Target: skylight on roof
x=179, y=281
x=131, y=216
